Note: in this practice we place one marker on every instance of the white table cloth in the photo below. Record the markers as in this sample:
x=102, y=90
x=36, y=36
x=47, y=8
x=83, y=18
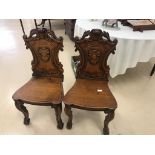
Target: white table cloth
x=132, y=47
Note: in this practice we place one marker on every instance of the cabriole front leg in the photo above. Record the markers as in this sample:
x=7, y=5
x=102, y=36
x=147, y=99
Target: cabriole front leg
x=58, y=111
x=70, y=116
x=20, y=106
x=109, y=117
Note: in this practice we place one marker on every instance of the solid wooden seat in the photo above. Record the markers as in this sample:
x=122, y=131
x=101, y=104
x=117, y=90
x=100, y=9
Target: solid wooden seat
x=90, y=94
x=41, y=91
x=91, y=91
x=45, y=87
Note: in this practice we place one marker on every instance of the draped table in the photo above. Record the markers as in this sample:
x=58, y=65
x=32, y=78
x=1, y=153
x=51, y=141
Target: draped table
x=132, y=47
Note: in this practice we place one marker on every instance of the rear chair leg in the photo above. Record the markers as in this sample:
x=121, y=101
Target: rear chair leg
x=20, y=106
x=153, y=70
x=70, y=116
x=109, y=117
x=58, y=111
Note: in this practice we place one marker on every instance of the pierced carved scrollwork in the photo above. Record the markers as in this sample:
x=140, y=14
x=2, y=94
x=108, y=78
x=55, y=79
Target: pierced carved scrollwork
x=45, y=47
x=95, y=47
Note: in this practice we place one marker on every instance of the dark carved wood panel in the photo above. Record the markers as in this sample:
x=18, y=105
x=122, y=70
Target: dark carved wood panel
x=95, y=47
x=45, y=47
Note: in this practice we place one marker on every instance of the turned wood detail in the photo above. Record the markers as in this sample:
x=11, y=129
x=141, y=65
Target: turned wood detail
x=58, y=111
x=70, y=116
x=95, y=47
x=45, y=46
x=20, y=106
x=109, y=117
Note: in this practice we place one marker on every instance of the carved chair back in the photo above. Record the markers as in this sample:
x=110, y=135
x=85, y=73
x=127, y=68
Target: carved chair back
x=45, y=47
x=94, y=47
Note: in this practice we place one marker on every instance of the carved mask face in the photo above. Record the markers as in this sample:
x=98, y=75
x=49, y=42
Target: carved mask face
x=93, y=56
x=44, y=54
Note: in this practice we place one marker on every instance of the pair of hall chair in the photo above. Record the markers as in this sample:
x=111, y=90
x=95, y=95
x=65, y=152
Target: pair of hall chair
x=89, y=92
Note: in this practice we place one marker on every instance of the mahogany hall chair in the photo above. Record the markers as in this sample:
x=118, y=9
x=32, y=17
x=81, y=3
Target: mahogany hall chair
x=45, y=87
x=91, y=91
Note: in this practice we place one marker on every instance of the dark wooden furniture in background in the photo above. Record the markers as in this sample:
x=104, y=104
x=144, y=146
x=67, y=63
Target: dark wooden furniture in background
x=153, y=70
x=139, y=24
x=69, y=27
x=45, y=87
x=91, y=91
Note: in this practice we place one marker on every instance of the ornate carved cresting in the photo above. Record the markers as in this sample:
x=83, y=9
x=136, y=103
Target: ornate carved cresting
x=45, y=47
x=95, y=47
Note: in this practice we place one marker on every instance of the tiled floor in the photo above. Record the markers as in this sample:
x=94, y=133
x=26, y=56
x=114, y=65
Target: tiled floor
x=134, y=91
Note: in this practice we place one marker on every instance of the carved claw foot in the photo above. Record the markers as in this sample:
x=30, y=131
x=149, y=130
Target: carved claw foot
x=20, y=106
x=58, y=111
x=69, y=125
x=26, y=121
x=60, y=125
x=109, y=117
x=70, y=116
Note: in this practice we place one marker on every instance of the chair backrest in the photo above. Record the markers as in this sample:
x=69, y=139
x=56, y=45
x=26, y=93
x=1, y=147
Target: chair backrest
x=94, y=47
x=45, y=47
